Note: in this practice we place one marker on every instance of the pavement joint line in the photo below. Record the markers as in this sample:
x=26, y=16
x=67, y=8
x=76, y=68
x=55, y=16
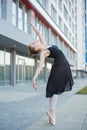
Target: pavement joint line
x=84, y=122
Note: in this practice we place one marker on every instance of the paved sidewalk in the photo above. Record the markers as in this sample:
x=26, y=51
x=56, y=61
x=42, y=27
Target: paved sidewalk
x=72, y=115
x=23, y=108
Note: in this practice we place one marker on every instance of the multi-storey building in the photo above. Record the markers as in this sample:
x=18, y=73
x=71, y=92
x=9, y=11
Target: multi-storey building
x=56, y=20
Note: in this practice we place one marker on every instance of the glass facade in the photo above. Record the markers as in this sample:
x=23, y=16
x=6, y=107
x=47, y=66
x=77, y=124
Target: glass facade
x=5, y=67
x=1, y=67
x=20, y=16
x=24, y=69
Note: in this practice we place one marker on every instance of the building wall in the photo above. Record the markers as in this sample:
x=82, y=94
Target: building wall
x=9, y=30
x=80, y=36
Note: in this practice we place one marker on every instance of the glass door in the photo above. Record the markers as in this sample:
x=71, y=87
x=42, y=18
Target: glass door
x=21, y=71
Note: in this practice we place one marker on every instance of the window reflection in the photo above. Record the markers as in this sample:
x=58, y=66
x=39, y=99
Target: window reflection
x=20, y=16
x=7, y=68
x=14, y=13
x=24, y=69
x=48, y=68
x=26, y=20
x=31, y=68
x=1, y=67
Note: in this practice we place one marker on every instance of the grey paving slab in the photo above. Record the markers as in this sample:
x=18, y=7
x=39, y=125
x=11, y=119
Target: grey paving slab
x=67, y=118
x=23, y=108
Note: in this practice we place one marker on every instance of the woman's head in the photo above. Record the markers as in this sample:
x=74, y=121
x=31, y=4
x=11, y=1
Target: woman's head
x=35, y=47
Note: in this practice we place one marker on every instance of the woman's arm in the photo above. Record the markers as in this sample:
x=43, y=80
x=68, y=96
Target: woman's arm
x=43, y=55
x=35, y=28
x=38, y=70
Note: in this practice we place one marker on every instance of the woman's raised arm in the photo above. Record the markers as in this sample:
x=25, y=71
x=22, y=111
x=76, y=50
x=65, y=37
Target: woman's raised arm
x=32, y=17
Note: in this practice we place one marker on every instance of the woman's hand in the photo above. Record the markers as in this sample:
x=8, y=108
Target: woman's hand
x=35, y=85
x=32, y=17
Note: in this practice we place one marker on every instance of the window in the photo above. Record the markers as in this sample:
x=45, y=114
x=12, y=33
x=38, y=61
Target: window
x=65, y=13
x=53, y=12
x=49, y=65
x=1, y=67
x=14, y=13
x=70, y=6
x=69, y=21
x=70, y=36
x=44, y=3
x=60, y=22
x=60, y=42
x=47, y=35
x=53, y=38
x=20, y=16
x=38, y=27
x=72, y=13
x=26, y=20
x=73, y=27
x=66, y=30
x=60, y=4
x=73, y=40
x=3, y=8
x=5, y=67
x=44, y=32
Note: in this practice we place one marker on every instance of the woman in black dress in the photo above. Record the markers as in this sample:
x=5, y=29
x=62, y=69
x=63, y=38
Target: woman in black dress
x=60, y=79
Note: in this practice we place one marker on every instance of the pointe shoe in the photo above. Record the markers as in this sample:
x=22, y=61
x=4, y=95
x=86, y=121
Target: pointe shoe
x=51, y=119
x=53, y=122
x=49, y=116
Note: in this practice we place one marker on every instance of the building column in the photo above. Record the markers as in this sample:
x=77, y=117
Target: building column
x=13, y=67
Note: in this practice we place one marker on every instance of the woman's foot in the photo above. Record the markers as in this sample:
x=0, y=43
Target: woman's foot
x=51, y=117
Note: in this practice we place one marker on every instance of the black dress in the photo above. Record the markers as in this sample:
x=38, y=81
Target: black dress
x=60, y=79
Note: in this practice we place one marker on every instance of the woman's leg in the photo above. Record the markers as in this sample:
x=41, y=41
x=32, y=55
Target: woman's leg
x=53, y=102
x=52, y=105
x=52, y=109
